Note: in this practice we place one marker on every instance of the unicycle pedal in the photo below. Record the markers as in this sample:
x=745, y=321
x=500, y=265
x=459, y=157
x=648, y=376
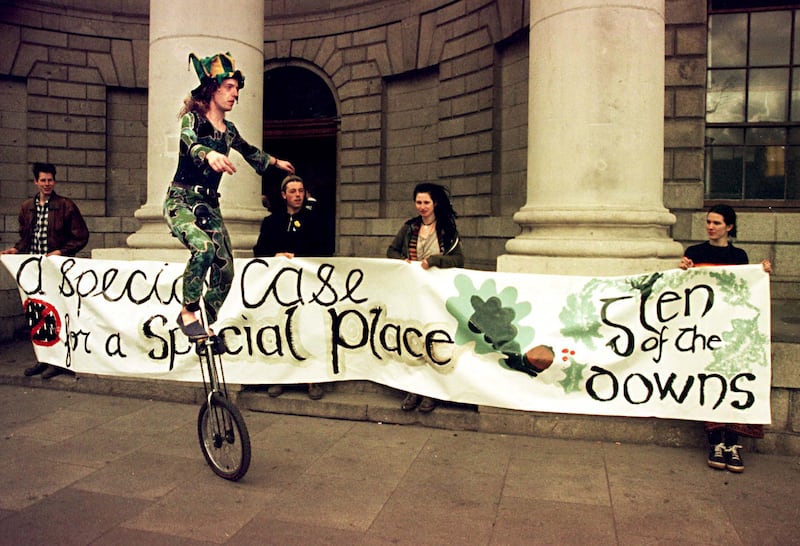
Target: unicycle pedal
x=215, y=343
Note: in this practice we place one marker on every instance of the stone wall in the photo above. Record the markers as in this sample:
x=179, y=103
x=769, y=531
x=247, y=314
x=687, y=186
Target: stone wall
x=420, y=88
x=63, y=67
x=437, y=94
x=63, y=73
x=684, y=111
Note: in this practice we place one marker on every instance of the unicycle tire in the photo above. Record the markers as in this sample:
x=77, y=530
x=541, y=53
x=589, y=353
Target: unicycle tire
x=224, y=439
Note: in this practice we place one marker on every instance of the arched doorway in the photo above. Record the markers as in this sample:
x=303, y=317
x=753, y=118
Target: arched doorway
x=300, y=125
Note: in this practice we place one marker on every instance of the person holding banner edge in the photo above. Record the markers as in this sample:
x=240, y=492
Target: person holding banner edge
x=191, y=206
x=723, y=438
x=52, y=225
x=430, y=238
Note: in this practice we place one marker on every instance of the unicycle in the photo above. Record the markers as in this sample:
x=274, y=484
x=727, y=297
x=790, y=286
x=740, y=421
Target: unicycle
x=223, y=434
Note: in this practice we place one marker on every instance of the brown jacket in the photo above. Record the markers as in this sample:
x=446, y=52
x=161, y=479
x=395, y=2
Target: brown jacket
x=66, y=229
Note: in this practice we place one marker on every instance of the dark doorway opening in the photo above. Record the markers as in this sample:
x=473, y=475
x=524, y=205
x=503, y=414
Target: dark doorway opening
x=301, y=125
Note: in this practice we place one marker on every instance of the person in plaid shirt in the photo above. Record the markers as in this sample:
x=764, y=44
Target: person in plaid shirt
x=52, y=225
x=49, y=223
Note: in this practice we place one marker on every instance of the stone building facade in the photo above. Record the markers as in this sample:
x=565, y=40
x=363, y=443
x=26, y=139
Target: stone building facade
x=425, y=90
x=433, y=90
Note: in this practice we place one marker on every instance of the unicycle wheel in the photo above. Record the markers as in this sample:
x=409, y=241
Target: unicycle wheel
x=224, y=439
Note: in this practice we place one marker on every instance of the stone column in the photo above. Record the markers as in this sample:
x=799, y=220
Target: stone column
x=205, y=28
x=595, y=142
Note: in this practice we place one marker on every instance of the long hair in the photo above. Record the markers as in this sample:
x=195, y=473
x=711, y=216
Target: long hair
x=728, y=215
x=442, y=207
x=200, y=99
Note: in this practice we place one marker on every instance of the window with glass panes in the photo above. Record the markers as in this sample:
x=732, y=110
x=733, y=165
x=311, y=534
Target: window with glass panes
x=753, y=102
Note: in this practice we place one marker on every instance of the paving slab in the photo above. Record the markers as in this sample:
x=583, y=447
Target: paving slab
x=130, y=471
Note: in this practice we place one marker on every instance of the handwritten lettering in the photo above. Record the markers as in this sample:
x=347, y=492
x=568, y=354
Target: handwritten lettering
x=350, y=330
x=638, y=388
x=292, y=286
x=689, y=339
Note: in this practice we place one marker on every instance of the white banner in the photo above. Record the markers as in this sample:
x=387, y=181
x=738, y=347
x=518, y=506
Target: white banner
x=675, y=344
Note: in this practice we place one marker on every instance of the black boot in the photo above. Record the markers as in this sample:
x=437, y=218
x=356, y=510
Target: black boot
x=36, y=369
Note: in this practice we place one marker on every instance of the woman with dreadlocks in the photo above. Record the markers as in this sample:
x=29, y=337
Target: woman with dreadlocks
x=430, y=238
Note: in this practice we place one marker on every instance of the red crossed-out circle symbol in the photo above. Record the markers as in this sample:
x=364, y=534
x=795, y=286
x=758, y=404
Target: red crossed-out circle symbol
x=43, y=321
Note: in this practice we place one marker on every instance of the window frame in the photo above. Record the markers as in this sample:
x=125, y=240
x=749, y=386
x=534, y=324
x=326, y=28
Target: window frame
x=717, y=7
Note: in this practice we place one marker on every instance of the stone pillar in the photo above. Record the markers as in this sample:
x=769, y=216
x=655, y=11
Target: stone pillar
x=595, y=142
x=205, y=28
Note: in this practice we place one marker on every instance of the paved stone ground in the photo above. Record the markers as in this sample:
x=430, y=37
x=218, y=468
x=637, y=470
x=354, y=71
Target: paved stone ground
x=87, y=468
x=83, y=468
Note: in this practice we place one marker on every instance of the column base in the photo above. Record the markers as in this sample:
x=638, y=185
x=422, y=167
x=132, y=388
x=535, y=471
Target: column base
x=600, y=241
x=167, y=255
x=242, y=224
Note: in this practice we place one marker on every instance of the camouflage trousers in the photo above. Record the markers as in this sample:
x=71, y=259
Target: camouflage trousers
x=197, y=223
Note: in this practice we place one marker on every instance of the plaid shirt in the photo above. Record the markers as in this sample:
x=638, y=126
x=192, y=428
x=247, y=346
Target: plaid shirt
x=39, y=243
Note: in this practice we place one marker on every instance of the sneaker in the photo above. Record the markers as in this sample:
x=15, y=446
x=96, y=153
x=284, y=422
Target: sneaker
x=275, y=390
x=733, y=460
x=217, y=345
x=716, y=456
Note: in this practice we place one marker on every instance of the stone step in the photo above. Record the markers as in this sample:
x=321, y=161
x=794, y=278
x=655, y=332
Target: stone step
x=366, y=401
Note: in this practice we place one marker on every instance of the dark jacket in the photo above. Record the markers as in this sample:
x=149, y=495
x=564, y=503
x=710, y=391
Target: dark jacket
x=66, y=229
x=449, y=245
x=301, y=234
